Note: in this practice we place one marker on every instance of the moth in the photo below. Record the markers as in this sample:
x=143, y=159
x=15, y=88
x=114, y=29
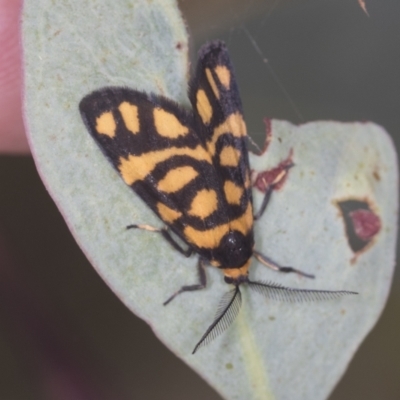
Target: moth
x=191, y=167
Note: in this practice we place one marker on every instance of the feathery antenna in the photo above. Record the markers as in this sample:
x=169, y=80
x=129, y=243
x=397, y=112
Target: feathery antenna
x=227, y=311
x=275, y=291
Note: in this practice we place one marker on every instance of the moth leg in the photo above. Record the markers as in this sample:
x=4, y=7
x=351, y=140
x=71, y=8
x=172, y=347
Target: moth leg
x=268, y=192
x=276, y=267
x=167, y=236
x=266, y=199
x=189, y=288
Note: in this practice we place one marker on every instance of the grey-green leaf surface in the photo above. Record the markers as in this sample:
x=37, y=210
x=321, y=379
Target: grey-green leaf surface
x=273, y=350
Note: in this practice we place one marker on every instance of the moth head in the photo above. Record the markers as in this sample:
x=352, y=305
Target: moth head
x=236, y=276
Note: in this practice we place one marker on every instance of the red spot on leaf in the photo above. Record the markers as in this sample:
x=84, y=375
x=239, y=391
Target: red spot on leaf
x=275, y=176
x=362, y=224
x=366, y=224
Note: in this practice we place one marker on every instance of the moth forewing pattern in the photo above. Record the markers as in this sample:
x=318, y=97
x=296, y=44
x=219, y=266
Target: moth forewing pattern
x=191, y=167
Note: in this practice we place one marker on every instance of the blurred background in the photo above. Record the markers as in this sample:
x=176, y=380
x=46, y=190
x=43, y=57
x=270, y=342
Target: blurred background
x=63, y=333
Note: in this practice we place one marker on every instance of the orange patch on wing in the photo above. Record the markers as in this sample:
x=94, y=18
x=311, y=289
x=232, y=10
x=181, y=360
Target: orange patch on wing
x=105, y=124
x=224, y=75
x=203, y=106
x=229, y=157
x=176, y=179
x=130, y=116
x=209, y=238
x=168, y=125
x=167, y=214
x=204, y=203
x=233, y=193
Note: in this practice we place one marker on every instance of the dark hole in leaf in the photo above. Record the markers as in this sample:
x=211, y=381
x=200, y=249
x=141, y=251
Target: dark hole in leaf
x=362, y=224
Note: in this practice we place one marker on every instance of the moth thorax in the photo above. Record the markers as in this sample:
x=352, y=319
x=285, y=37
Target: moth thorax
x=234, y=250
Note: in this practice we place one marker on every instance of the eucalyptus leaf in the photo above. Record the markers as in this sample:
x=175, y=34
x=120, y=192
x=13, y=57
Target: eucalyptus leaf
x=273, y=350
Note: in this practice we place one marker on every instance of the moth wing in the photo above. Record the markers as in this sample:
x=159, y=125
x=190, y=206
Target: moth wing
x=152, y=144
x=218, y=113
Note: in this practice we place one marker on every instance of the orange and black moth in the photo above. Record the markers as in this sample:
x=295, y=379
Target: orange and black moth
x=192, y=169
